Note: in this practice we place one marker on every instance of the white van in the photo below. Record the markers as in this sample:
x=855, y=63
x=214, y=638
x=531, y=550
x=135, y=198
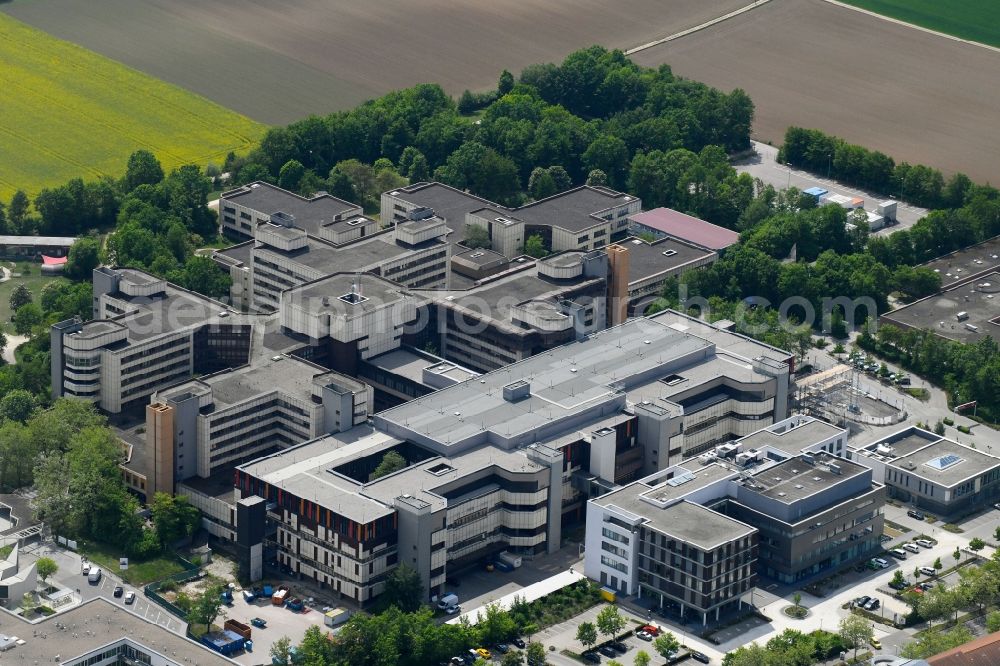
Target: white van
x=95, y=575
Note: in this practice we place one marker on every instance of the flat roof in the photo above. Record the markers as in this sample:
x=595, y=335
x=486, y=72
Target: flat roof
x=92, y=625
x=937, y=459
x=292, y=376
x=794, y=479
x=55, y=241
x=172, y=310
x=568, y=380
x=305, y=471
x=962, y=264
x=573, y=210
x=695, y=524
x=410, y=363
x=978, y=299
x=328, y=294
x=809, y=431
x=309, y=213
x=648, y=259
x=731, y=341
x=357, y=256
x=686, y=227
x=428, y=480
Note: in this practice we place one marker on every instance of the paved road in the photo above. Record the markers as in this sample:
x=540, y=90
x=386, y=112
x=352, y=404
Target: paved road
x=70, y=577
x=765, y=167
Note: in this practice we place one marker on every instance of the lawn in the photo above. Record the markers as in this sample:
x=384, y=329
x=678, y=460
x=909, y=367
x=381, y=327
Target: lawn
x=33, y=280
x=69, y=112
x=978, y=20
x=138, y=573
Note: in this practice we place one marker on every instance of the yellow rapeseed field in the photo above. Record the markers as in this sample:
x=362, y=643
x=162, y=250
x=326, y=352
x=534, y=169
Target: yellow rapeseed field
x=67, y=112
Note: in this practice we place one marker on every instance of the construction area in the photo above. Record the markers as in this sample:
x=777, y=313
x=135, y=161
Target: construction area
x=837, y=395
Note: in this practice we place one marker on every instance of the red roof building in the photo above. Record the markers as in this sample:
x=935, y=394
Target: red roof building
x=669, y=222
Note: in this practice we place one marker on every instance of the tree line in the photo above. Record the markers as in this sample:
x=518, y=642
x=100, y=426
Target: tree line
x=588, y=118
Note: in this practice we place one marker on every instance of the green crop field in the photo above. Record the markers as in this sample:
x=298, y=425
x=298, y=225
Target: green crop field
x=67, y=112
x=978, y=20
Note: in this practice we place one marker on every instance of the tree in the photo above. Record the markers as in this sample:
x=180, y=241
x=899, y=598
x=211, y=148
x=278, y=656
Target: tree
x=642, y=658
x=46, y=566
x=404, y=588
x=291, y=175
x=281, y=649
x=610, y=621
x=596, y=177
x=535, y=247
x=18, y=405
x=977, y=544
x=609, y=154
x=857, y=631
x=466, y=103
x=898, y=580
x=561, y=177
x=957, y=554
x=586, y=633
x=934, y=641
x=749, y=655
x=84, y=257
x=495, y=625
x=477, y=236
x=174, y=518
x=18, y=212
x=19, y=297
x=993, y=622
x=797, y=599
x=513, y=658
x=666, y=644
x=541, y=184
x=505, y=84
x=536, y=654
x=207, y=606
x=204, y=276
x=996, y=533
x=937, y=564
x=26, y=318
x=143, y=169
x=939, y=428
x=391, y=462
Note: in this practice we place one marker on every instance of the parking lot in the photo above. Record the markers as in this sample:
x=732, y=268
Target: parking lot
x=765, y=167
x=280, y=622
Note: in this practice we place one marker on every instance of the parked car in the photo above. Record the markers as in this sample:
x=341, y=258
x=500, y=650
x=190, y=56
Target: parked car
x=484, y=653
x=898, y=586
x=651, y=629
x=592, y=657
x=880, y=563
x=926, y=543
x=130, y=597
x=701, y=656
x=873, y=605
x=519, y=643
x=620, y=646
x=925, y=586
x=119, y=590
x=607, y=651
x=502, y=648
x=451, y=610
x=916, y=515
x=861, y=601
x=912, y=547
x=86, y=568
x=876, y=643
x=457, y=661
x=928, y=571
x=258, y=622
x=643, y=635
x=898, y=553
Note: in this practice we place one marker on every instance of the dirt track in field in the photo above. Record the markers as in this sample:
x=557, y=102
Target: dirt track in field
x=278, y=61
x=918, y=97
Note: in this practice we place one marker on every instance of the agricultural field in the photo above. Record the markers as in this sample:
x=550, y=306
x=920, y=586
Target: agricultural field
x=68, y=112
x=281, y=61
x=919, y=97
x=978, y=20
